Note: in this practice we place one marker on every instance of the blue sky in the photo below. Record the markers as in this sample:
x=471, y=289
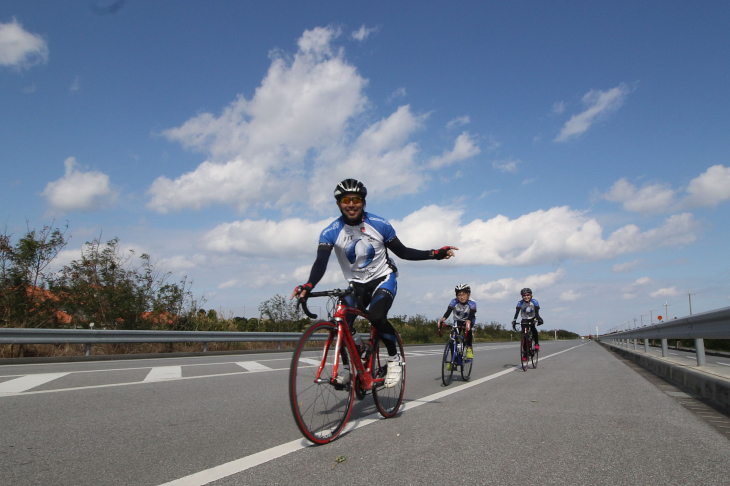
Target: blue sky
x=578, y=148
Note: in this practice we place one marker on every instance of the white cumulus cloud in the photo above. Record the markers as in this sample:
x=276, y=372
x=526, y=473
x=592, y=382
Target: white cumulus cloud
x=78, y=190
x=544, y=236
x=706, y=190
x=666, y=292
x=650, y=198
x=464, y=148
x=599, y=104
x=505, y=288
x=710, y=188
x=570, y=296
x=20, y=49
x=362, y=33
x=297, y=131
x=506, y=165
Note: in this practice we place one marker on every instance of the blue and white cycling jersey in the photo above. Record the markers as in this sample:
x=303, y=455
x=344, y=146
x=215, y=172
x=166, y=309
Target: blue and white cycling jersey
x=527, y=309
x=461, y=311
x=361, y=249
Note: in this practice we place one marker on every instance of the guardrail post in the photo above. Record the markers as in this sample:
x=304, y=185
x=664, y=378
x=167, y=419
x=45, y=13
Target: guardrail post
x=635, y=340
x=700, y=351
x=665, y=350
x=278, y=344
x=88, y=349
x=205, y=347
x=646, y=345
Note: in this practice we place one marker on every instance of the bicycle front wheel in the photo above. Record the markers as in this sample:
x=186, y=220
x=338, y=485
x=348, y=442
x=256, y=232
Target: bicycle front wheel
x=535, y=352
x=466, y=366
x=448, y=364
x=321, y=408
x=387, y=400
x=523, y=353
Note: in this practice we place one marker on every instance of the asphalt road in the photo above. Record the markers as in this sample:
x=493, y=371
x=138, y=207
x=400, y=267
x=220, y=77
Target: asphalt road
x=582, y=417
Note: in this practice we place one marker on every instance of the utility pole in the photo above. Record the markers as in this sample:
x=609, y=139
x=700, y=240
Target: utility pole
x=651, y=317
x=634, y=322
x=666, y=311
x=690, y=301
x=641, y=316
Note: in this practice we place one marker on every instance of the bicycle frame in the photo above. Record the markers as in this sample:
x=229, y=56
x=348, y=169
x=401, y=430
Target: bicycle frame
x=363, y=373
x=456, y=338
x=527, y=332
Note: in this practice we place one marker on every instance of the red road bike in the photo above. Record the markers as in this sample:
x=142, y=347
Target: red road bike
x=327, y=371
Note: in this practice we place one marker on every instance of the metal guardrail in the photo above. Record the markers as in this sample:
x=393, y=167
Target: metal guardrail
x=100, y=336
x=707, y=325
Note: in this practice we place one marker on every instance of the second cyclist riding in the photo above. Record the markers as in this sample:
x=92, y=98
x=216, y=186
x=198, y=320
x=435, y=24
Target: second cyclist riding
x=328, y=369
x=455, y=356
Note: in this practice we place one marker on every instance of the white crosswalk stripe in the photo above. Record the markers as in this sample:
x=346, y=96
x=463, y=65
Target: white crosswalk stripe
x=252, y=366
x=161, y=373
x=25, y=383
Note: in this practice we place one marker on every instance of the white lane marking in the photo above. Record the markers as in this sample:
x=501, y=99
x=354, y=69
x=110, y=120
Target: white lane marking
x=112, y=385
x=316, y=362
x=674, y=354
x=161, y=373
x=244, y=463
x=253, y=366
x=19, y=385
x=724, y=364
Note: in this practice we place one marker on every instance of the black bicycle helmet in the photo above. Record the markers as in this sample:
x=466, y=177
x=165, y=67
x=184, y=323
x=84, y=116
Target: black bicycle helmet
x=350, y=186
x=526, y=290
x=462, y=288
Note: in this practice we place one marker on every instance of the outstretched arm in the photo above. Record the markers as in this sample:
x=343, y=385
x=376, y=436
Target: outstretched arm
x=401, y=251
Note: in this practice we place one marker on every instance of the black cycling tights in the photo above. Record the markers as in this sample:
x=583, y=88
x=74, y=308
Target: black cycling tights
x=531, y=323
x=382, y=299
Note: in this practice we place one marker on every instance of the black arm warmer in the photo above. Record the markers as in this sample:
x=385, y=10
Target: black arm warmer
x=320, y=264
x=517, y=313
x=448, y=312
x=401, y=251
x=537, y=311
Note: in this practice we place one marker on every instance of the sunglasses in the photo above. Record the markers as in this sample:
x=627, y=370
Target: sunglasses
x=354, y=200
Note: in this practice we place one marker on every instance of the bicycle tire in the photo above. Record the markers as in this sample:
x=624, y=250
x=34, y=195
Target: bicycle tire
x=465, y=365
x=447, y=375
x=388, y=400
x=523, y=354
x=535, y=352
x=320, y=410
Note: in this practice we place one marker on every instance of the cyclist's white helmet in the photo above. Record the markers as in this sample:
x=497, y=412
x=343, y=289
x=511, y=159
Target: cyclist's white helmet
x=352, y=186
x=462, y=288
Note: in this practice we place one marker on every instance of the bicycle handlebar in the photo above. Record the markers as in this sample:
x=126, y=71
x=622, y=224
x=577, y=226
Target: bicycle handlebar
x=323, y=293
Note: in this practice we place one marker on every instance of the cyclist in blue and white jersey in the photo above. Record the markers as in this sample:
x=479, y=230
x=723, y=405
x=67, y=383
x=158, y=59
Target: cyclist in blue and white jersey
x=465, y=311
x=361, y=242
x=530, y=310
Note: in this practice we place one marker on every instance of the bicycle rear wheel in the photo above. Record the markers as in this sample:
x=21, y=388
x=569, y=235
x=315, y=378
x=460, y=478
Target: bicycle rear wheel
x=320, y=408
x=465, y=365
x=535, y=352
x=448, y=364
x=388, y=400
x=523, y=354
